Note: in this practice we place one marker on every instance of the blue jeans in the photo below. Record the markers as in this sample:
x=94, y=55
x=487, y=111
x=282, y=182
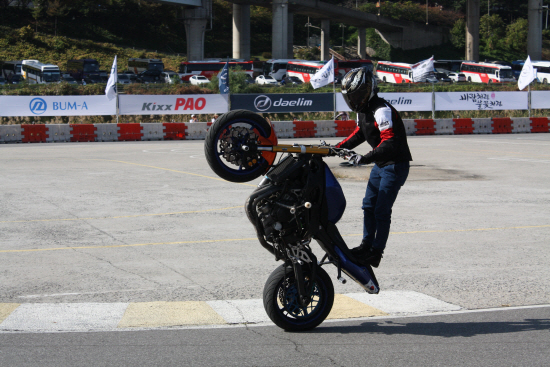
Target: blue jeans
x=382, y=189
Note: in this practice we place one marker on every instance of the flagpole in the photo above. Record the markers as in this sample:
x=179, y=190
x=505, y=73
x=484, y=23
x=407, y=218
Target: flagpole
x=529, y=98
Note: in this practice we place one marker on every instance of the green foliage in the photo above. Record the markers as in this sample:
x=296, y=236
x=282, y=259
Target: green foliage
x=516, y=34
x=412, y=11
x=308, y=53
x=25, y=33
x=266, y=55
x=492, y=30
x=458, y=33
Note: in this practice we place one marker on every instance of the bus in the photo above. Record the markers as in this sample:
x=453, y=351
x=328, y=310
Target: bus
x=36, y=72
x=394, y=72
x=140, y=65
x=277, y=67
x=83, y=68
x=343, y=67
x=11, y=68
x=448, y=65
x=209, y=68
x=543, y=71
x=304, y=70
x=485, y=72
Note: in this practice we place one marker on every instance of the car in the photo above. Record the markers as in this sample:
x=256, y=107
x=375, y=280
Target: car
x=442, y=77
x=104, y=76
x=15, y=79
x=266, y=80
x=457, y=77
x=92, y=79
x=291, y=80
x=149, y=76
x=123, y=79
x=170, y=77
x=198, y=80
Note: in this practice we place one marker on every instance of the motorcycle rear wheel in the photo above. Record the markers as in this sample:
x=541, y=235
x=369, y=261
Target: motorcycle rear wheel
x=230, y=146
x=281, y=300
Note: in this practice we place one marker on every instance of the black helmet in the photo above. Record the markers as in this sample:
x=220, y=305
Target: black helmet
x=358, y=87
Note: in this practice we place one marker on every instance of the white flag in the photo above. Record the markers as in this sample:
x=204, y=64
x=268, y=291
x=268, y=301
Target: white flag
x=110, y=89
x=324, y=76
x=423, y=70
x=528, y=74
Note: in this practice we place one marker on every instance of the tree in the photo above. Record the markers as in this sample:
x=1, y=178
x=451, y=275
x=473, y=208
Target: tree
x=38, y=11
x=458, y=34
x=56, y=8
x=492, y=30
x=516, y=34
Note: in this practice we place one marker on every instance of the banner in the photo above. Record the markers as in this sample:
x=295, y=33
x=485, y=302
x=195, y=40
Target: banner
x=469, y=101
x=401, y=101
x=528, y=74
x=422, y=70
x=323, y=76
x=186, y=104
x=540, y=99
x=274, y=103
x=56, y=106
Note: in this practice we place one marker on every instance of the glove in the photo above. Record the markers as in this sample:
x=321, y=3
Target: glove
x=358, y=159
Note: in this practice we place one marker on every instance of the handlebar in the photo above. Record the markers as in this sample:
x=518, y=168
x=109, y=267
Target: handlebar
x=321, y=149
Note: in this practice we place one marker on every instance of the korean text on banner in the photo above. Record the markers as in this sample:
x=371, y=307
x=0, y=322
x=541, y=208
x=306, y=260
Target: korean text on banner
x=186, y=104
x=110, y=89
x=56, y=106
x=401, y=101
x=469, y=101
x=528, y=74
x=324, y=76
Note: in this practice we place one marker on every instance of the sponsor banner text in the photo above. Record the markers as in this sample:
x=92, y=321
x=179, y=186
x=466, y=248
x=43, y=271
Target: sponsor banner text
x=172, y=104
x=273, y=103
x=56, y=106
x=469, y=101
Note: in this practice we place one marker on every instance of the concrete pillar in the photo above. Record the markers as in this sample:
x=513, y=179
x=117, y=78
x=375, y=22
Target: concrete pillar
x=361, y=43
x=534, y=36
x=325, y=39
x=290, y=52
x=194, y=30
x=472, y=30
x=279, y=45
x=241, y=31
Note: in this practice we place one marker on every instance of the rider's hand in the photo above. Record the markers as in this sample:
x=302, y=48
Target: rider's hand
x=357, y=159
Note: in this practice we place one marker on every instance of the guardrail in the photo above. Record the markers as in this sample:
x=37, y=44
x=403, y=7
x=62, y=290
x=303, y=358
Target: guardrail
x=55, y=133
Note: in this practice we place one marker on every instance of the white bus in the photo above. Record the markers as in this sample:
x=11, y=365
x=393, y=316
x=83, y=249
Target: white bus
x=140, y=65
x=36, y=72
x=277, y=68
x=484, y=72
x=543, y=71
x=394, y=72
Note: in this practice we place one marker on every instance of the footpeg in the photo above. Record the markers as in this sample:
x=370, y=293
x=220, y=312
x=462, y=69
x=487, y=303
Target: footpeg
x=342, y=280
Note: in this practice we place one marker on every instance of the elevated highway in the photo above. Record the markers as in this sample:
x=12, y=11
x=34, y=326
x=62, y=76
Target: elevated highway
x=400, y=34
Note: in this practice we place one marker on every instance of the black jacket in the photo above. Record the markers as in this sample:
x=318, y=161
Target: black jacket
x=382, y=127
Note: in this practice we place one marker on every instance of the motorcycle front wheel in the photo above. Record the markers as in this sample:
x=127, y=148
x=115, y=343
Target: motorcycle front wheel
x=231, y=146
x=282, y=305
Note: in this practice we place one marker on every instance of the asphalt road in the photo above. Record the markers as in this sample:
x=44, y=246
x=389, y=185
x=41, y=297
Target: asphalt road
x=149, y=221
x=499, y=338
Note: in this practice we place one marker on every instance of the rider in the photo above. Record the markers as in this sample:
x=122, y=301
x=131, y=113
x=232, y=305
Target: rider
x=381, y=126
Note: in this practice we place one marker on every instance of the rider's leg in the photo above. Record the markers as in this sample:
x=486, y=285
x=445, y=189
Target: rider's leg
x=369, y=204
x=392, y=177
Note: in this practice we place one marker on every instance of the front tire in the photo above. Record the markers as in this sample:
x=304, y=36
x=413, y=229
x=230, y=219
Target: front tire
x=281, y=300
x=230, y=146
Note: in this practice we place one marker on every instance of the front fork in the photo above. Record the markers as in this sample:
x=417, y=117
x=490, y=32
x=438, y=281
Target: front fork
x=304, y=286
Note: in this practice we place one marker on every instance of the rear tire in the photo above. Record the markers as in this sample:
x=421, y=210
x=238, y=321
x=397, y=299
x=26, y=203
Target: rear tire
x=282, y=306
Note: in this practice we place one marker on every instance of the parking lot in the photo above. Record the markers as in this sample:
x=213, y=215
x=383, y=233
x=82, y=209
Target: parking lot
x=149, y=221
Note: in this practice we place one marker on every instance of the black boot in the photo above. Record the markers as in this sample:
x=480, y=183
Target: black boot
x=373, y=257
x=361, y=251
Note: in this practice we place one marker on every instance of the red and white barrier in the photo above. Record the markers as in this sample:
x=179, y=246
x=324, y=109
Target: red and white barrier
x=45, y=133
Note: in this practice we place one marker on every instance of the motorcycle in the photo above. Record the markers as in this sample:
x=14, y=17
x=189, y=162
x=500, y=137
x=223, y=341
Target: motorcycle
x=297, y=201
